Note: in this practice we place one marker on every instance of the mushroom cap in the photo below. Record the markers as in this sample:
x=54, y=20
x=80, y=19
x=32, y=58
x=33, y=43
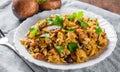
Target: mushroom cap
x=24, y=8
x=50, y=4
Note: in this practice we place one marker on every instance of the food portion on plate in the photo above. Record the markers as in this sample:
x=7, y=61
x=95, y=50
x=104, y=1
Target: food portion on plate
x=67, y=38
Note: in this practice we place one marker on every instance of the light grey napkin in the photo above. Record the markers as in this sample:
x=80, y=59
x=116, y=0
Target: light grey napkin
x=10, y=62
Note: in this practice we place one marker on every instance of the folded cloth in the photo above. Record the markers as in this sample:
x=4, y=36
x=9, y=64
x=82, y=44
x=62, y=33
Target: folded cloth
x=4, y=3
x=10, y=62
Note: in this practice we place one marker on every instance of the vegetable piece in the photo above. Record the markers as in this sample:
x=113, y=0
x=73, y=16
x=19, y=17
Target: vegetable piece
x=50, y=4
x=70, y=18
x=45, y=35
x=24, y=8
x=72, y=46
x=41, y=1
x=59, y=49
x=80, y=15
x=82, y=23
x=74, y=15
x=33, y=31
x=58, y=21
x=51, y=28
x=69, y=27
x=98, y=29
x=49, y=21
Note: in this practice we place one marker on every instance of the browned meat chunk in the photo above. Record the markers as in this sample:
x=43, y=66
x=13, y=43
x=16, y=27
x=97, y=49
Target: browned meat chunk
x=81, y=35
x=42, y=25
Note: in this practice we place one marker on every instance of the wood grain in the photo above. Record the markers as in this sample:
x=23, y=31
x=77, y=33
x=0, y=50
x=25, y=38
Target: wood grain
x=111, y=5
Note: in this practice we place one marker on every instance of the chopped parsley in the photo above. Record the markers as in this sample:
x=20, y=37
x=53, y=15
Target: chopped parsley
x=72, y=46
x=98, y=29
x=82, y=23
x=33, y=31
x=59, y=49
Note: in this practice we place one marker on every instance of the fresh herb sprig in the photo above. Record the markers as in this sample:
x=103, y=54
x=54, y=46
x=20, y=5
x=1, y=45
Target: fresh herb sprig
x=58, y=20
x=82, y=23
x=33, y=31
x=74, y=15
x=72, y=46
x=98, y=29
x=59, y=49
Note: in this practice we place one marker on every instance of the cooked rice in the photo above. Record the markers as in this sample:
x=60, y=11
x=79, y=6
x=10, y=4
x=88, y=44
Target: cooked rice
x=90, y=44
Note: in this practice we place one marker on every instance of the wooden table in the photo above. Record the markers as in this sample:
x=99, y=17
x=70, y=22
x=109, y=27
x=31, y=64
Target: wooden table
x=111, y=5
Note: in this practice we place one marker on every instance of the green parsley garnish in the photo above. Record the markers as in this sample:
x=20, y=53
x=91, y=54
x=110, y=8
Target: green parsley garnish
x=70, y=28
x=74, y=15
x=72, y=46
x=49, y=21
x=70, y=18
x=33, y=31
x=58, y=21
x=98, y=29
x=59, y=49
x=82, y=23
x=80, y=15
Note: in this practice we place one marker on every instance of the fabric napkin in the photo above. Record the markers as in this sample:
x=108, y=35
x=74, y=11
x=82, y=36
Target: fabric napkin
x=10, y=62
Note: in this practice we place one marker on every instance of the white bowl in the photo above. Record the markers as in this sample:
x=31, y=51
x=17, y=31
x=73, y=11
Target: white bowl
x=24, y=27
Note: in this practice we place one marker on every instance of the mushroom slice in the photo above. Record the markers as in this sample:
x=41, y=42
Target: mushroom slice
x=51, y=28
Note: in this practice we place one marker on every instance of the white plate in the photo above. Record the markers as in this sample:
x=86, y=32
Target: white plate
x=24, y=27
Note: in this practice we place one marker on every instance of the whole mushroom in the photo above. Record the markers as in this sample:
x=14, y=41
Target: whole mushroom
x=49, y=4
x=24, y=8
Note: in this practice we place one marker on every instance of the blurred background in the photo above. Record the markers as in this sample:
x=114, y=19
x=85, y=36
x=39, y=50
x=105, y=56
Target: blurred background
x=111, y=5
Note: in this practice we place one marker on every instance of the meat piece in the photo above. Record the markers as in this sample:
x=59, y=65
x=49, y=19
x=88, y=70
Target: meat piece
x=39, y=56
x=42, y=25
x=81, y=35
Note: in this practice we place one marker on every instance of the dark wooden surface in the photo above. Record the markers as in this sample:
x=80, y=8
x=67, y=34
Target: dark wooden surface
x=111, y=5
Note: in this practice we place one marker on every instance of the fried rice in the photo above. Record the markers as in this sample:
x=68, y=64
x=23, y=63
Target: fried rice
x=66, y=38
